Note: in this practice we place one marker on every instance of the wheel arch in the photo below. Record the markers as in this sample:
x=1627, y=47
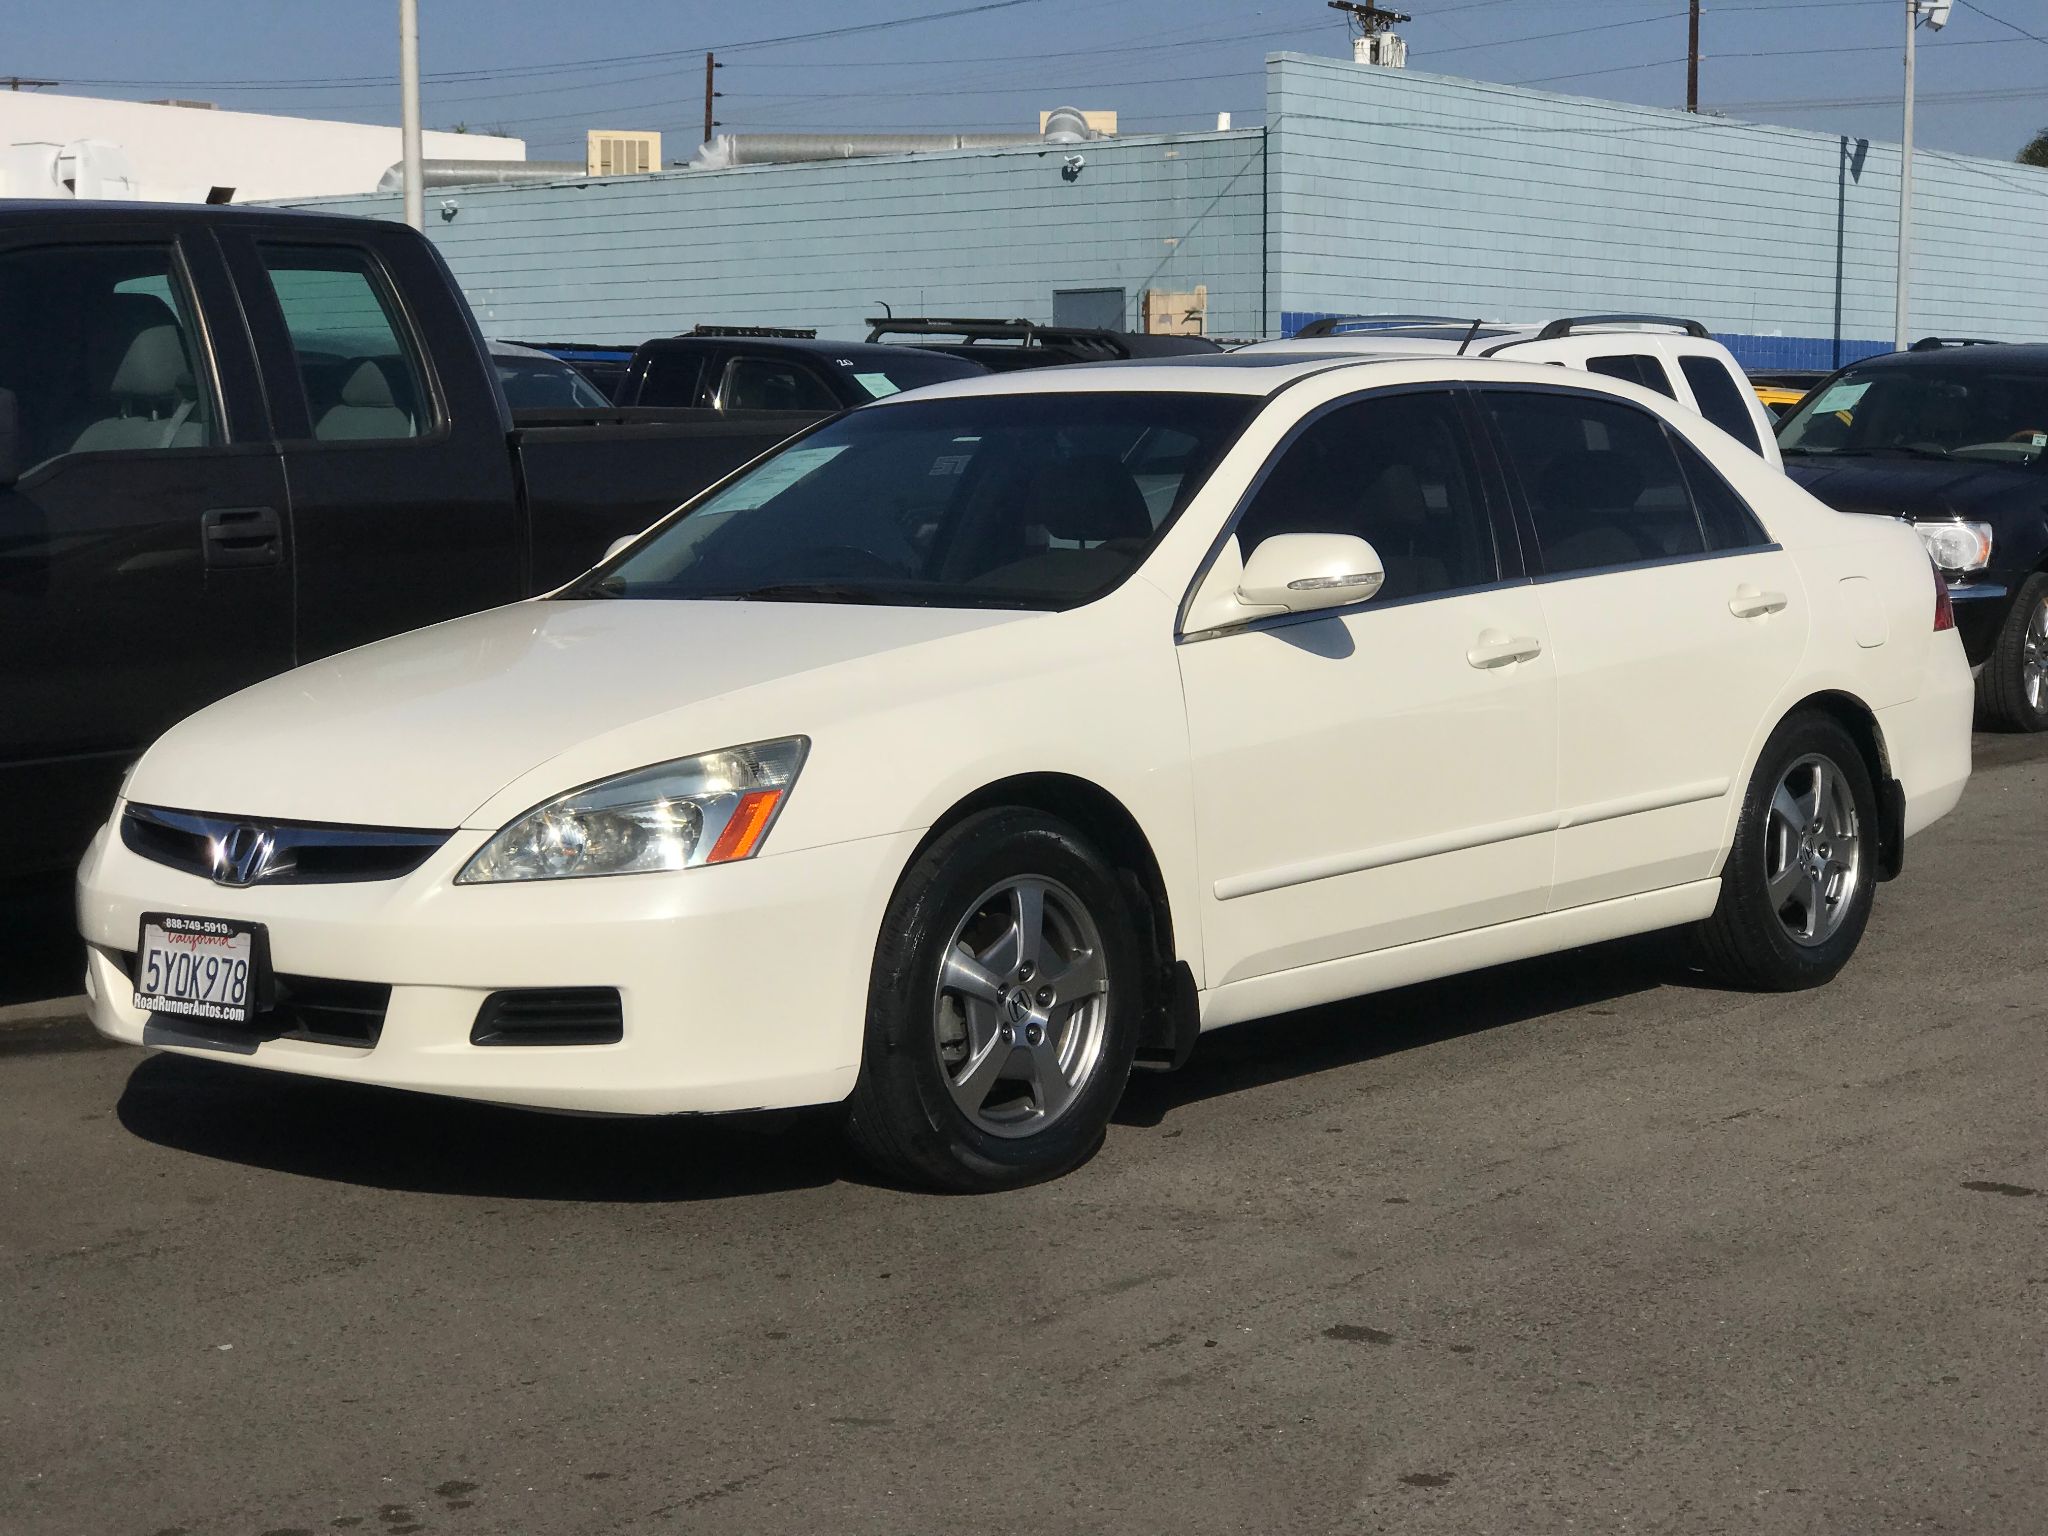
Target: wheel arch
x=1171, y=1006
x=1861, y=722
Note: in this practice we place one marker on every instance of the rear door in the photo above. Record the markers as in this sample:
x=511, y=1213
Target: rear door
x=1675, y=623
x=404, y=506
x=145, y=560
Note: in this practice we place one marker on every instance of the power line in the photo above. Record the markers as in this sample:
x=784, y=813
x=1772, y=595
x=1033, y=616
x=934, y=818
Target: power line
x=2009, y=26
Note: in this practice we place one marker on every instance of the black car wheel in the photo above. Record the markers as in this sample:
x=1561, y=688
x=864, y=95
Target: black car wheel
x=1003, y=1009
x=2012, y=690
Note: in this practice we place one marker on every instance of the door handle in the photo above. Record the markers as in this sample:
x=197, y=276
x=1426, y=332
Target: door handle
x=1495, y=649
x=1753, y=602
x=242, y=536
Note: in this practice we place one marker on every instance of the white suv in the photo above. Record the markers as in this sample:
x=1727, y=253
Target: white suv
x=1676, y=358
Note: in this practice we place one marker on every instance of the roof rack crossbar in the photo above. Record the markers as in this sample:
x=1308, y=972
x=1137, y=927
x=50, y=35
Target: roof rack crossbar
x=1936, y=343
x=1329, y=325
x=1576, y=323
x=786, y=332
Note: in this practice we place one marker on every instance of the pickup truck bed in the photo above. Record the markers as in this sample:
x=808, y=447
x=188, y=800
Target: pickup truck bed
x=233, y=440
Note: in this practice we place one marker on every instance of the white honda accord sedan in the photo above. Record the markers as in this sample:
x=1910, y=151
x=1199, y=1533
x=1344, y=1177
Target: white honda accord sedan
x=988, y=740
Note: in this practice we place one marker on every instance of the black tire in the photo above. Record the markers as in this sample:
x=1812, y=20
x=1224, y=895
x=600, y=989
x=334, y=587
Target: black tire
x=903, y=1117
x=2002, y=685
x=1745, y=942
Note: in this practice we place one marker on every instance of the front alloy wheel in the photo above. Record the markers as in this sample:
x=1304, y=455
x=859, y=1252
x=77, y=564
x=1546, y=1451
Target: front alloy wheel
x=2012, y=689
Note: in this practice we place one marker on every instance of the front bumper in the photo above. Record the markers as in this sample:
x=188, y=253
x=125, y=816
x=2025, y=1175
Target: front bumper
x=744, y=985
x=1981, y=605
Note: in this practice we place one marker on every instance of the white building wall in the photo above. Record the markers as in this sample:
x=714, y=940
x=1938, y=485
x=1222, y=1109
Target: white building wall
x=177, y=154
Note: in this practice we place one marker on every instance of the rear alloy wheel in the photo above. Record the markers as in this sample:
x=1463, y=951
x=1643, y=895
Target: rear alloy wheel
x=1002, y=1011
x=2012, y=690
x=1797, y=887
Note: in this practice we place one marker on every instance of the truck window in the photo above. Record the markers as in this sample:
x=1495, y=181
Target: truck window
x=671, y=377
x=1721, y=400
x=770, y=384
x=357, y=364
x=1635, y=368
x=98, y=346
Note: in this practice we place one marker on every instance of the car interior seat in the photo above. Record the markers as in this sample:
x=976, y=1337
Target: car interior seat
x=141, y=389
x=368, y=408
x=1585, y=499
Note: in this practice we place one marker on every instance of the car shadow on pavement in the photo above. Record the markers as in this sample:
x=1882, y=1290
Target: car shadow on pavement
x=40, y=954
x=1297, y=1045
x=385, y=1139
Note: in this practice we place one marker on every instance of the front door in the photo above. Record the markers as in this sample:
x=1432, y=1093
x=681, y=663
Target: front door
x=144, y=551
x=1675, y=622
x=1386, y=773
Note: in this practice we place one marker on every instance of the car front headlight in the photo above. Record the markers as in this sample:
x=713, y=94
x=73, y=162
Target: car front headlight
x=710, y=809
x=1957, y=547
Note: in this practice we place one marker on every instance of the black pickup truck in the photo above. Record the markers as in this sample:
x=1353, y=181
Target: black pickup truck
x=233, y=440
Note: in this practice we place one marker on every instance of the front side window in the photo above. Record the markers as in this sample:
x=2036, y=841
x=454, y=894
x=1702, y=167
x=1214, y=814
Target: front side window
x=996, y=501
x=671, y=377
x=98, y=346
x=1635, y=368
x=770, y=384
x=1721, y=400
x=1396, y=471
x=1600, y=478
x=362, y=378
x=1937, y=410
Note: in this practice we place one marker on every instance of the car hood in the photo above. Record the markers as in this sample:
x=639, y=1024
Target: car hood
x=1918, y=487
x=423, y=729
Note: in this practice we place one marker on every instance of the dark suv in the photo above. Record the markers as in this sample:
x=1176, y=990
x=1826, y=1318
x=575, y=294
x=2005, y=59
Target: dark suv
x=1953, y=438
x=768, y=368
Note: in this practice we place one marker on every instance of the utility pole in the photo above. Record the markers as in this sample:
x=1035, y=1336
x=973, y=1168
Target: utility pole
x=711, y=93
x=1370, y=23
x=1934, y=13
x=1692, y=62
x=16, y=82
x=409, y=109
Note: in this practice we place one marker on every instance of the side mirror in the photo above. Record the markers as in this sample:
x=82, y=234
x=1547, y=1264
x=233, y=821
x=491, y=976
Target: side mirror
x=1303, y=572
x=618, y=546
x=10, y=438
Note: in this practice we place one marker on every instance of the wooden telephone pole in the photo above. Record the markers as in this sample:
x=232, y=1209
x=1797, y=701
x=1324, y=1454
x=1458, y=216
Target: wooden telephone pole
x=711, y=93
x=1692, y=62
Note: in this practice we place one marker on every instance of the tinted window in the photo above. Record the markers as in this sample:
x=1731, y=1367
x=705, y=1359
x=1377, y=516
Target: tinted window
x=1722, y=401
x=361, y=376
x=532, y=383
x=1939, y=409
x=1009, y=501
x=891, y=375
x=97, y=344
x=672, y=377
x=1635, y=368
x=770, y=384
x=1396, y=471
x=1724, y=516
x=1600, y=478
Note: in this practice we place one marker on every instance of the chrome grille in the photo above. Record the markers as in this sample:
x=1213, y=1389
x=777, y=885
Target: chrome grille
x=237, y=850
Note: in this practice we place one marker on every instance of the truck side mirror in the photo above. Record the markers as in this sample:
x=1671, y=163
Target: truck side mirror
x=10, y=438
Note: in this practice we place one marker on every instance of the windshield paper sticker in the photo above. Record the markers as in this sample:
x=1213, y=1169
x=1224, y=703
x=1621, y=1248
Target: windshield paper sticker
x=878, y=384
x=1839, y=397
x=775, y=477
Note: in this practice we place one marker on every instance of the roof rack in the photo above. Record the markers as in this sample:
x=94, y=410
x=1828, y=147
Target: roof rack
x=786, y=332
x=1577, y=323
x=1329, y=325
x=1024, y=332
x=1936, y=343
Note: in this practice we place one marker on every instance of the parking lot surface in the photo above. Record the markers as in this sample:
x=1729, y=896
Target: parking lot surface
x=1579, y=1244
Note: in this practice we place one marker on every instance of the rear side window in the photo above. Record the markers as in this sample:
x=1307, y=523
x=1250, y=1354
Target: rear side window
x=1635, y=368
x=1396, y=471
x=770, y=384
x=356, y=360
x=671, y=377
x=98, y=345
x=1722, y=401
x=1600, y=478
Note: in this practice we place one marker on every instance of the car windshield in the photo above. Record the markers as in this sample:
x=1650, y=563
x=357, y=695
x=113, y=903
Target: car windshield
x=879, y=376
x=988, y=501
x=533, y=383
x=1948, y=411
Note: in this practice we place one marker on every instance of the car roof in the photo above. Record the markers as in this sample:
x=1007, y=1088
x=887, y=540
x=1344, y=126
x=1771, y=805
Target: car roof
x=809, y=346
x=2031, y=356
x=1264, y=374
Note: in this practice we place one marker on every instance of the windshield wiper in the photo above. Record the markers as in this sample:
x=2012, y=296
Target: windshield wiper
x=1899, y=450
x=794, y=592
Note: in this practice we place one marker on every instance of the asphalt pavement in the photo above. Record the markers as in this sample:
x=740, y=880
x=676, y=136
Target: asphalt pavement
x=1576, y=1245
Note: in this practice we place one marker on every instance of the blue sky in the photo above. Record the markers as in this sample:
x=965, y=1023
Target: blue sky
x=548, y=71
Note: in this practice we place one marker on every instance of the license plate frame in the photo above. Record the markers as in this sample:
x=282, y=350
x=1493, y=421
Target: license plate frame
x=181, y=986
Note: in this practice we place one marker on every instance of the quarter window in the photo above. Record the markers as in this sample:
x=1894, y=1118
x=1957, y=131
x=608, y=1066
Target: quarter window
x=1397, y=471
x=361, y=375
x=1600, y=477
x=1635, y=368
x=1724, y=516
x=767, y=384
x=98, y=346
x=1720, y=399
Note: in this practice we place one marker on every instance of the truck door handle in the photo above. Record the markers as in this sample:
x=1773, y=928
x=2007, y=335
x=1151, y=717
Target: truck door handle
x=1495, y=649
x=242, y=536
x=1753, y=602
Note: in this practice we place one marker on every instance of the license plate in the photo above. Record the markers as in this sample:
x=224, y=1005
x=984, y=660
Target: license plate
x=200, y=967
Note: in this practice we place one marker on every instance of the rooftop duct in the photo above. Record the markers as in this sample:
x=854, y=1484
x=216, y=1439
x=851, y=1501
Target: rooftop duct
x=1066, y=125
x=482, y=173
